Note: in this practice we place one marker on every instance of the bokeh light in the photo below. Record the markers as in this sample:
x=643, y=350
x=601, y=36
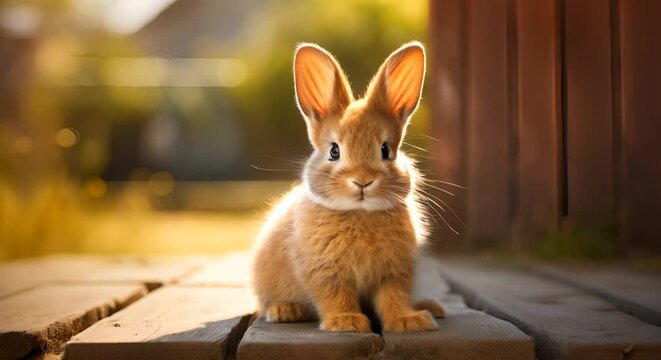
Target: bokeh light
x=66, y=137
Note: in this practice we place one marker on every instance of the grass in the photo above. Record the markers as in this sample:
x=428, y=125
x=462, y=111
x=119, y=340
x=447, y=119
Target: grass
x=202, y=218
x=174, y=233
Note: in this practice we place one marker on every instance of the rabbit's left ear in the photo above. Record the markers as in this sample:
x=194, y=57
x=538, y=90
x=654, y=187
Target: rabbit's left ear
x=396, y=88
x=322, y=89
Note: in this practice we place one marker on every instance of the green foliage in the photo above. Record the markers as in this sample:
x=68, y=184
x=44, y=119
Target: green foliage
x=359, y=33
x=580, y=241
x=45, y=205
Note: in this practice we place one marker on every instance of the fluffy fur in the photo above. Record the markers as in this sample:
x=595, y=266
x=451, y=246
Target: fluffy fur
x=347, y=235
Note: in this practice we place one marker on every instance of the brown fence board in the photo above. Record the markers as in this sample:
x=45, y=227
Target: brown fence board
x=539, y=118
x=487, y=123
x=447, y=90
x=589, y=120
x=169, y=323
x=566, y=323
x=640, y=74
x=47, y=316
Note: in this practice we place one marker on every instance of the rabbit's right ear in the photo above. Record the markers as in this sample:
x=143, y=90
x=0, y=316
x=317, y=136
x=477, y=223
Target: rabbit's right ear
x=322, y=89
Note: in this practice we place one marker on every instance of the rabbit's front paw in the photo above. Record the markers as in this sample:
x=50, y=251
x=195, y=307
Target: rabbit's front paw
x=413, y=321
x=346, y=322
x=286, y=312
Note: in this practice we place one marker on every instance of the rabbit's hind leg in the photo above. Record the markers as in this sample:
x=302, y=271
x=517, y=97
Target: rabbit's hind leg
x=430, y=305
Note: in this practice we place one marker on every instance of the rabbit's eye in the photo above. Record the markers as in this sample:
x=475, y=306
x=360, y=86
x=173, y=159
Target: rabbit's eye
x=334, y=152
x=385, y=151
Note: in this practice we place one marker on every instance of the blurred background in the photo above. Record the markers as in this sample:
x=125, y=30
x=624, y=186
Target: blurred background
x=165, y=126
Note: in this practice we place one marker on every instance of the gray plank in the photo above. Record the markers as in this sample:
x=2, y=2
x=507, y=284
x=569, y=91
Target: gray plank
x=464, y=333
x=170, y=323
x=229, y=270
x=305, y=341
x=566, y=323
x=153, y=271
x=45, y=317
x=21, y=275
x=635, y=292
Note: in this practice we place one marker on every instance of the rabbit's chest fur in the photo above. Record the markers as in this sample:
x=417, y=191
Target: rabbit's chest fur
x=361, y=248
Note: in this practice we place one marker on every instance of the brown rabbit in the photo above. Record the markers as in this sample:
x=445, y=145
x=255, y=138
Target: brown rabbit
x=348, y=234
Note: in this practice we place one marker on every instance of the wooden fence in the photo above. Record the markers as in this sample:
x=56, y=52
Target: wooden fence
x=550, y=112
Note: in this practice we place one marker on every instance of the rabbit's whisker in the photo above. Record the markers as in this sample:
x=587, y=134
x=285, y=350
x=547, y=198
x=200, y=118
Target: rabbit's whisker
x=269, y=169
x=439, y=189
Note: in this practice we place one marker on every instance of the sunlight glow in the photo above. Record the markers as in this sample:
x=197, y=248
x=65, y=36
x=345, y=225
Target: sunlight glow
x=157, y=72
x=129, y=16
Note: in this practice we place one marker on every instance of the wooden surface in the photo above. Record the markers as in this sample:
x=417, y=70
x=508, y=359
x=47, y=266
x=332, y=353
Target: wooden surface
x=152, y=271
x=229, y=270
x=487, y=126
x=46, y=317
x=589, y=120
x=566, y=323
x=464, y=334
x=578, y=85
x=447, y=99
x=20, y=275
x=531, y=311
x=640, y=76
x=539, y=119
x=170, y=323
x=305, y=341
x=634, y=292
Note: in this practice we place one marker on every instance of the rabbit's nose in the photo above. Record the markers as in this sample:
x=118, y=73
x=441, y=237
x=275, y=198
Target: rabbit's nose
x=363, y=185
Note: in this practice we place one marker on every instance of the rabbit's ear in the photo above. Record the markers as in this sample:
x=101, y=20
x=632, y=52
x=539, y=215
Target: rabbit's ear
x=396, y=88
x=322, y=89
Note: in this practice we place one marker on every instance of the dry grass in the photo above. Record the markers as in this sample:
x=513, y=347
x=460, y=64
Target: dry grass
x=174, y=233
x=59, y=217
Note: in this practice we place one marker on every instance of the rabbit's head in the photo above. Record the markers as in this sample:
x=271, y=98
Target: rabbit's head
x=357, y=162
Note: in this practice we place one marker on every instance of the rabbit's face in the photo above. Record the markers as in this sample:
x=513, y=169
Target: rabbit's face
x=356, y=163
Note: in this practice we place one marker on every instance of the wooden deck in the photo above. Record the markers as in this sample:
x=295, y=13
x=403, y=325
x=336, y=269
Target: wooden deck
x=84, y=307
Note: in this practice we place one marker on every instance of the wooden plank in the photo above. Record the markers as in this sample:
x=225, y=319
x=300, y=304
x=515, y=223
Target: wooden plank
x=21, y=275
x=464, y=333
x=230, y=270
x=153, y=271
x=640, y=74
x=45, y=317
x=447, y=105
x=539, y=120
x=634, y=292
x=589, y=119
x=170, y=323
x=566, y=323
x=305, y=341
x=487, y=123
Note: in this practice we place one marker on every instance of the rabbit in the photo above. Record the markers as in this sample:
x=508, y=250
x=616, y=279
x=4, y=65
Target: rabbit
x=347, y=234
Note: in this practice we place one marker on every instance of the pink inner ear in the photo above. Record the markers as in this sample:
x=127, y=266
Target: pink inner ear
x=315, y=81
x=403, y=80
